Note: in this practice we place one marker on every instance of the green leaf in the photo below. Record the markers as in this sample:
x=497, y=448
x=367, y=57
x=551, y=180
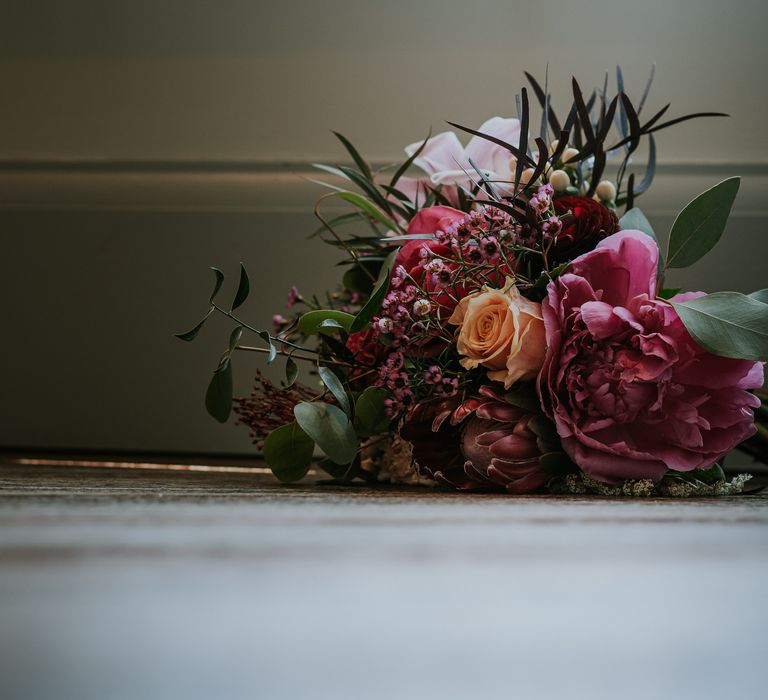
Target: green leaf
x=336, y=388
x=330, y=428
x=760, y=295
x=635, y=220
x=709, y=476
x=234, y=338
x=373, y=304
x=243, y=289
x=217, y=284
x=699, y=226
x=218, y=398
x=330, y=323
x=267, y=338
x=336, y=471
x=669, y=293
x=310, y=322
x=288, y=452
x=368, y=207
x=192, y=334
x=523, y=395
x=361, y=163
x=357, y=280
x=370, y=418
x=291, y=371
x=727, y=324
x=407, y=164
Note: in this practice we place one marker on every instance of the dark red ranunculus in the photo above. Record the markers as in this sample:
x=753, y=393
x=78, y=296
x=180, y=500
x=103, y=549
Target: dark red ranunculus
x=585, y=223
x=369, y=353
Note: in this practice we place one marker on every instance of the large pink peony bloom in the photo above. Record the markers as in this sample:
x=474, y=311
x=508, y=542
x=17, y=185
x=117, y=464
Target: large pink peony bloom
x=446, y=161
x=631, y=393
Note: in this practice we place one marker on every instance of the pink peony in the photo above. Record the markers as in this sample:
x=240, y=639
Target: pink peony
x=446, y=161
x=631, y=393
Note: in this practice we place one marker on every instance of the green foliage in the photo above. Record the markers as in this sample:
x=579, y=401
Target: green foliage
x=311, y=322
x=700, y=224
x=668, y=293
x=368, y=207
x=358, y=280
x=190, y=335
x=217, y=283
x=288, y=452
x=330, y=428
x=635, y=220
x=370, y=418
x=243, y=288
x=267, y=338
x=373, y=304
x=336, y=388
x=218, y=397
x=291, y=371
x=523, y=395
x=708, y=476
x=728, y=324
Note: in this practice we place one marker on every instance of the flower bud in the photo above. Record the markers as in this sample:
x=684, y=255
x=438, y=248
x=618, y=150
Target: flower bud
x=569, y=153
x=606, y=191
x=559, y=180
x=526, y=175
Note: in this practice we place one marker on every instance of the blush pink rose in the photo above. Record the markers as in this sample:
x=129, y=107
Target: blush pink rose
x=631, y=393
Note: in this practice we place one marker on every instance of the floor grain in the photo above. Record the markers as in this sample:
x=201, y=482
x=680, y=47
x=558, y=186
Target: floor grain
x=131, y=584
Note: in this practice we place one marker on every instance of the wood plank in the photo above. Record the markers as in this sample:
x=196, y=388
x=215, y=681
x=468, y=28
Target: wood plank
x=128, y=583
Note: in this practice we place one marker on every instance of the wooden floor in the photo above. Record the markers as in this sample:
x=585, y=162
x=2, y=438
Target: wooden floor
x=161, y=584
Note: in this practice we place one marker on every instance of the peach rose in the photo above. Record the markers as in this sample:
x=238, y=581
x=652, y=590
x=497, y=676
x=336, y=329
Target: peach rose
x=501, y=330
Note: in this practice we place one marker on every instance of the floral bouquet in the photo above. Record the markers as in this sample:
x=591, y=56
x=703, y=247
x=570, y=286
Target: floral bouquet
x=502, y=325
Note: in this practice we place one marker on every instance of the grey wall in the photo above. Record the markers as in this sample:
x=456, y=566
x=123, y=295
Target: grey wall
x=142, y=142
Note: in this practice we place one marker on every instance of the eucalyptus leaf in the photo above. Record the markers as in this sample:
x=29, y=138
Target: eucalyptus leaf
x=760, y=295
x=330, y=428
x=288, y=452
x=217, y=283
x=218, y=397
x=267, y=338
x=330, y=323
x=370, y=416
x=310, y=322
x=701, y=223
x=291, y=371
x=727, y=324
x=192, y=333
x=635, y=220
x=234, y=338
x=243, y=288
x=336, y=388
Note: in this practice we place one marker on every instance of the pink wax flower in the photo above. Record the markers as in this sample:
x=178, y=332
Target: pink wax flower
x=631, y=393
x=446, y=161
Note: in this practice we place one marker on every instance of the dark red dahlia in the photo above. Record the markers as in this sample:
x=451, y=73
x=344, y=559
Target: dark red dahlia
x=585, y=223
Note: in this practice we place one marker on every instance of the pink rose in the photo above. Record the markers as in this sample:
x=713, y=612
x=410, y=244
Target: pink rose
x=446, y=161
x=631, y=393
